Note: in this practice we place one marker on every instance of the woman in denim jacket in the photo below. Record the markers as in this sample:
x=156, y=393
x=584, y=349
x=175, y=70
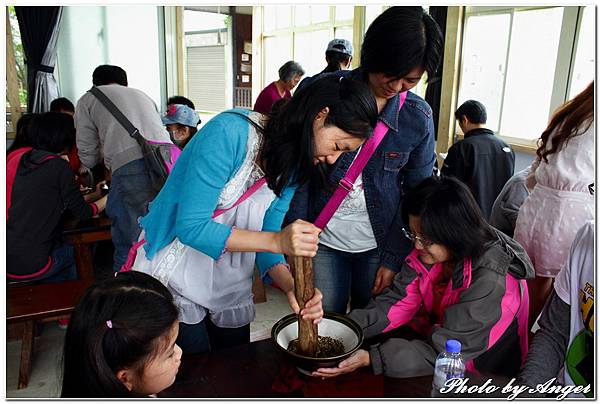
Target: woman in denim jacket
x=361, y=248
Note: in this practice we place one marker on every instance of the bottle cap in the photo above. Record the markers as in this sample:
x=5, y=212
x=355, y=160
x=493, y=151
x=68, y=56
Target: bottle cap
x=453, y=346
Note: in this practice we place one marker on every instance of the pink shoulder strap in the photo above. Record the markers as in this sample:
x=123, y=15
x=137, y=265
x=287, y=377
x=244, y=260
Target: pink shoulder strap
x=247, y=194
x=218, y=212
x=347, y=183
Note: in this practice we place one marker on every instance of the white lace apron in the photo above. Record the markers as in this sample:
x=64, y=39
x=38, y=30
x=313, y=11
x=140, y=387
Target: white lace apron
x=220, y=288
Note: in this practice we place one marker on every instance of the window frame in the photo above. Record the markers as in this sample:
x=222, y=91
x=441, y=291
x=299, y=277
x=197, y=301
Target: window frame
x=565, y=60
x=358, y=25
x=331, y=25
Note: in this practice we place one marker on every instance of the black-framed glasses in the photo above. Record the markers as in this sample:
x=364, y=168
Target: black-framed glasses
x=414, y=238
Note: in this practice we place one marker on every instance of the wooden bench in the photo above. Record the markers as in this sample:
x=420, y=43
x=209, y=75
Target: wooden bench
x=29, y=302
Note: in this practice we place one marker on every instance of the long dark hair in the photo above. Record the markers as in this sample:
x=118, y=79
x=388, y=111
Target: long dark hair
x=571, y=119
x=21, y=133
x=288, y=150
x=51, y=131
x=449, y=216
x=141, y=311
x=401, y=39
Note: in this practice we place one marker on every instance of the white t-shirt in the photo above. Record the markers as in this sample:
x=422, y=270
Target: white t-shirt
x=574, y=285
x=350, y=229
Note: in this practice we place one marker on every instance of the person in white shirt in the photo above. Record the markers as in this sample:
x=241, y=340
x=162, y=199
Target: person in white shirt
x=563, y=348
x=561, y=199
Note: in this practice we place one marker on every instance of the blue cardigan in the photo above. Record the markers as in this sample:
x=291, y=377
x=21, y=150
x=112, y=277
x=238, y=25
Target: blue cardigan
x=184, y=206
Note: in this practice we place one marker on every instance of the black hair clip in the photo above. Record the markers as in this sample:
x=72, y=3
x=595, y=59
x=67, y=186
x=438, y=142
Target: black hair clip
x=591, y=188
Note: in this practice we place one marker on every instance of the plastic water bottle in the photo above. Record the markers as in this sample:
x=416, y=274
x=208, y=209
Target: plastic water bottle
x=448, y=365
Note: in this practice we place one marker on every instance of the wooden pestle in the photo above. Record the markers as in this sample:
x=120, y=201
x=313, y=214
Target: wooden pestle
x=304, y=288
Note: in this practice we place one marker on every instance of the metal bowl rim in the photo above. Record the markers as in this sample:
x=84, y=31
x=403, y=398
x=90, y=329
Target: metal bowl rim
x=291, y=318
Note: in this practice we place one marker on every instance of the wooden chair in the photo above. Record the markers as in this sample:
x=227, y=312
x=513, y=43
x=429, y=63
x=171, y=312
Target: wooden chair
x=30, y=302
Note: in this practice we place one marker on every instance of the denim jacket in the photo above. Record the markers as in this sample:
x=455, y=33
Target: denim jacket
x=403, y=159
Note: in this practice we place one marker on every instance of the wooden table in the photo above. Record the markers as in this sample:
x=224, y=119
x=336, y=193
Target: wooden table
x=81, y=234
x=248, y=371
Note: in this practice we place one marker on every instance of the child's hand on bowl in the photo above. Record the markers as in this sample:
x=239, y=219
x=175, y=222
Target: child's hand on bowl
x=357, y=360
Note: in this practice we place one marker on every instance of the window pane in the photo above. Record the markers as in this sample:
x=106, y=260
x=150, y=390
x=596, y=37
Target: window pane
x=278, y=50
x=201, y=20
x=269, y=17
x=284, y=17
x=584, y=69
x=319, y=14
x=277, y=17
x=530, y=75
x=344, y=13
x=484, y=63
x=309, y=48
x=371, y=12
x=344, y=33
x=19, y=56
x=301, y=16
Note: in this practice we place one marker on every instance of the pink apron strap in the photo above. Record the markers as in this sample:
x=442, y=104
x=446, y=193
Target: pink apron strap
x=131, y=255
x=218, y=212
x=255, y=187
x=347, y=183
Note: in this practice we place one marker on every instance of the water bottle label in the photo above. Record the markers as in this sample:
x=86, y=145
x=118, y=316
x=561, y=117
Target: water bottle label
x=454, y=376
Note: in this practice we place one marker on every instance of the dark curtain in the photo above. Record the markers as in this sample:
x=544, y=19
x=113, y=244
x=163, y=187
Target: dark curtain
x=37, y=25
x=434, y=87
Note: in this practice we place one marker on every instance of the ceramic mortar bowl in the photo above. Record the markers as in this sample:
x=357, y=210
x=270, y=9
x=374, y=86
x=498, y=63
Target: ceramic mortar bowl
x=333, y=325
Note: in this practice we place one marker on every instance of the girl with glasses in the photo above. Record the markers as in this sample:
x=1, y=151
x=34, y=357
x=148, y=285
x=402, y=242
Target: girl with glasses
x=463, y=280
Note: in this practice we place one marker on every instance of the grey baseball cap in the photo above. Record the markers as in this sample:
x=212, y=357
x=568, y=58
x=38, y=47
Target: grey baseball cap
x=340, y=45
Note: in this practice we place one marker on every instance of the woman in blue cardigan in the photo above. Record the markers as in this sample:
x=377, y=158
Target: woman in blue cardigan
x=220, y=212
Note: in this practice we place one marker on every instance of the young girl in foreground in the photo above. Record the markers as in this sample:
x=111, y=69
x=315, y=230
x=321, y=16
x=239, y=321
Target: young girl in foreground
x=121, y=339
x=464, y=280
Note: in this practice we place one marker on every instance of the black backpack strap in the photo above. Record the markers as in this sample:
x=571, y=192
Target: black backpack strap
x=116, y=112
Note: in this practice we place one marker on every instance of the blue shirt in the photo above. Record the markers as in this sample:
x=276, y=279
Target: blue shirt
x=185, y=205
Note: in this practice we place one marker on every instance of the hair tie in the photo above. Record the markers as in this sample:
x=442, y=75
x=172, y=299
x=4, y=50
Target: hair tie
x=109, y=324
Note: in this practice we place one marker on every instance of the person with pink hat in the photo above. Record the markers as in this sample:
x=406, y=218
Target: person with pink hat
x=182, y=123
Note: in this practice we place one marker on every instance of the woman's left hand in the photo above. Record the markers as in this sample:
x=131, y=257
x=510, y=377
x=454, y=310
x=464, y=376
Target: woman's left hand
x=357, y=360
x=383, y=279
x=313, y=310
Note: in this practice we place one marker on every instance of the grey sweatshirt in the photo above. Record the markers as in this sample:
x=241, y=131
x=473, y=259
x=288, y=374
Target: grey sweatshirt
x=100, y=135
x=506, y=207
